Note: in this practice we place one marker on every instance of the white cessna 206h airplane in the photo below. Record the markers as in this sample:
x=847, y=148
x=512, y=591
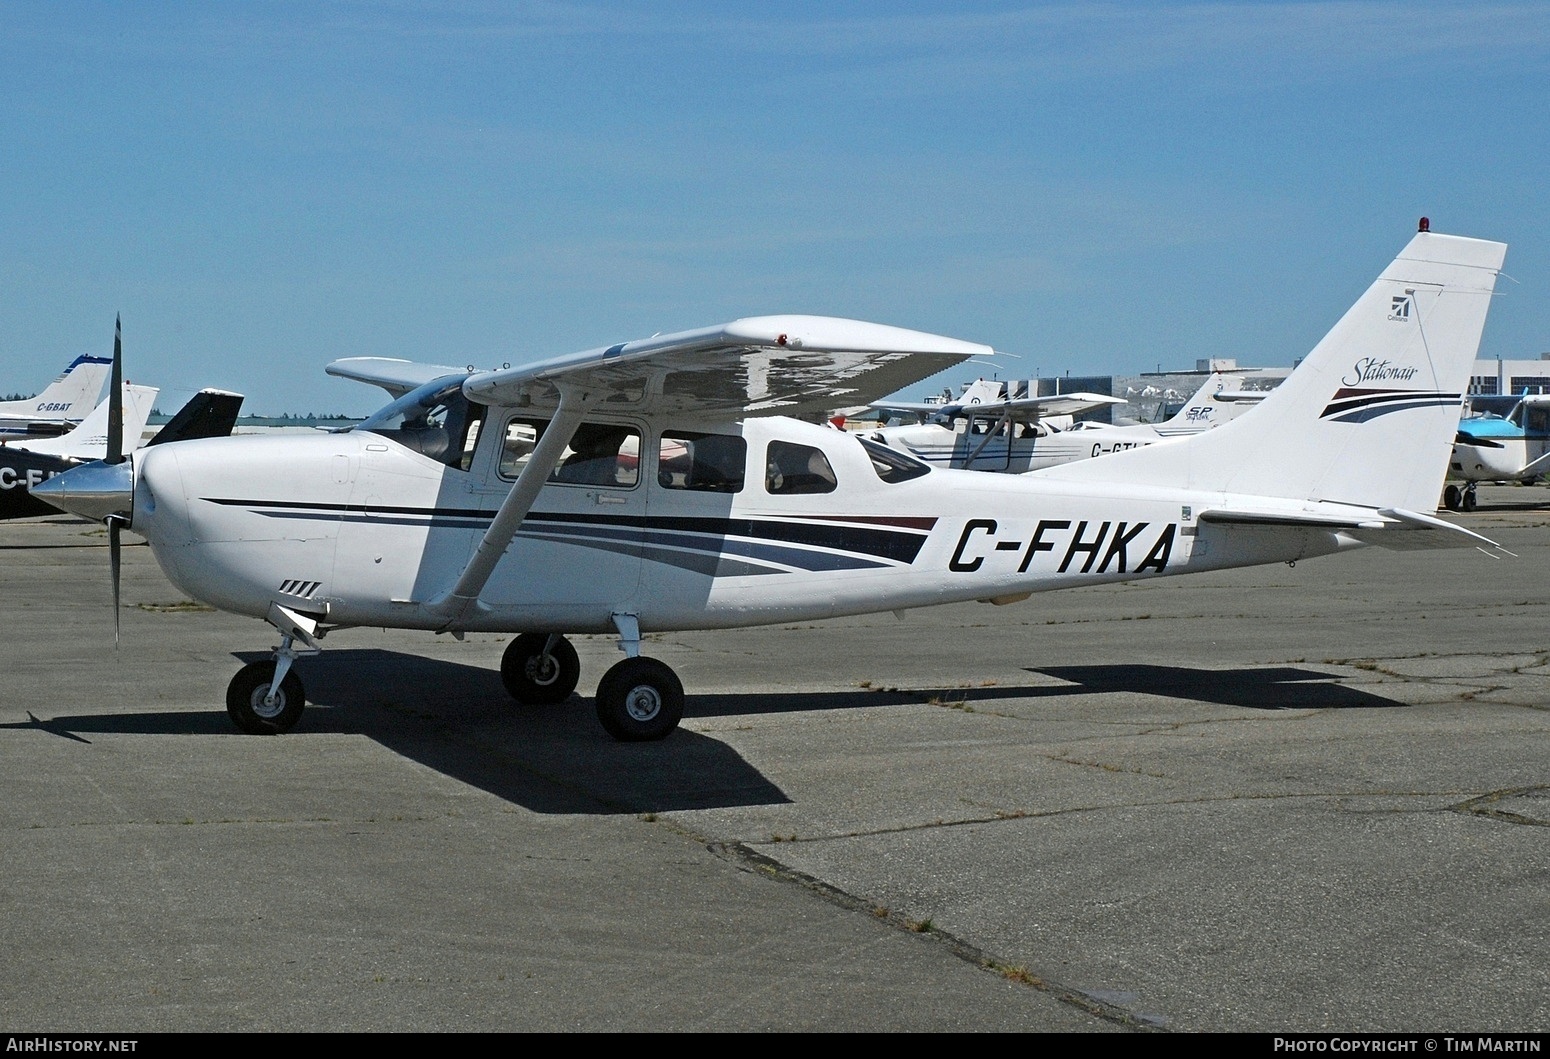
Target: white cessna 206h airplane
x=660, y=485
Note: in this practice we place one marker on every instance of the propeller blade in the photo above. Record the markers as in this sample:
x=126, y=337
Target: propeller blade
x=116, y=398
x=115, y=527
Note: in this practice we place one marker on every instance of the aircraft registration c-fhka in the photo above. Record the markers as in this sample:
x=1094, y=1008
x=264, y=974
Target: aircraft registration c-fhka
x=665, y=484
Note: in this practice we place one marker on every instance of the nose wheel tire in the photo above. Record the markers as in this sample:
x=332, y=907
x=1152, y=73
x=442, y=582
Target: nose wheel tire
x=640, y=699
x=247, y=691
x=531, y=676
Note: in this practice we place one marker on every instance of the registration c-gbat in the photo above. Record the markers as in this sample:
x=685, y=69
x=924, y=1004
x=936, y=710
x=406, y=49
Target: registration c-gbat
x=675, y=483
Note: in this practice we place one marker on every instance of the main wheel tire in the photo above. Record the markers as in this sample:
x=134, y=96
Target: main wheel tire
x=1453, y=498
x=1467, y=501
x=245, y=700
x=640, y=699
x=532, y=676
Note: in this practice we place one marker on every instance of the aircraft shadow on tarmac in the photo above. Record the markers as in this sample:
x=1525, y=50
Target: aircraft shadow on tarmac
x=1253, y=688
x=458, y=720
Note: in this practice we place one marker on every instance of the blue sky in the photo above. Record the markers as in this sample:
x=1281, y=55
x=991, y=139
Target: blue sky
x=260, y=188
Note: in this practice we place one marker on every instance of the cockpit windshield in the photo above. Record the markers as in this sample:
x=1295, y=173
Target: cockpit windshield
x=891, y=465
x=435, y=420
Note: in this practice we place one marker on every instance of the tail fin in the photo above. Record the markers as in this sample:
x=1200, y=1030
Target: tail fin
x=208, y=414
x=1213, y=404
x=1369, y=417
x=982, y=391
x=70, y=397
x=89, y=439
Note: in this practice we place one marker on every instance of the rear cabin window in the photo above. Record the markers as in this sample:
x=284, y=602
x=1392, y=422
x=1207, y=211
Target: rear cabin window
x=706, y=463
x=791, y=469
x=601, y=454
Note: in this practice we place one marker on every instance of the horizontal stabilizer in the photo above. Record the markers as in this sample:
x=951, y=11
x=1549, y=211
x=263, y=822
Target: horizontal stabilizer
x=1415, y=531
x=1305, y=520
x=1391, y=528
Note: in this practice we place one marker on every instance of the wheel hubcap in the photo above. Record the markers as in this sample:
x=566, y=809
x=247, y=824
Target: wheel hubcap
x=263, y=709
x=542, y=669
x=643, y=703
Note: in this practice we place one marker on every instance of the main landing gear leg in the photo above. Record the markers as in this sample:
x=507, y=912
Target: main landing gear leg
x=266, y=698
x=639, y=699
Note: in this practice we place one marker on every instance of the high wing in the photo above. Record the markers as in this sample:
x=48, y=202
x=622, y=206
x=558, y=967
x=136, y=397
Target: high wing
x=397, y=377
x=766, y=365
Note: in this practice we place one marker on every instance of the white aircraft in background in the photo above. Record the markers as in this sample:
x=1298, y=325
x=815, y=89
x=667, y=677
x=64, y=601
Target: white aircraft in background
x=28, y=462
x=61, y=405
x=994, y=433
x=89, y=439
x=1510, y=448
x=661, y=485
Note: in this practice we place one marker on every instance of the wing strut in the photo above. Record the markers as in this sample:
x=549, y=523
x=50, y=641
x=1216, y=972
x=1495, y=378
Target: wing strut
x=1535, y=467
x=993, y=427
x=463, y=597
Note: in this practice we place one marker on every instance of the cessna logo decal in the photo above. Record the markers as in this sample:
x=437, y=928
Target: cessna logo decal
x=1399, y=309
x=1109, y=546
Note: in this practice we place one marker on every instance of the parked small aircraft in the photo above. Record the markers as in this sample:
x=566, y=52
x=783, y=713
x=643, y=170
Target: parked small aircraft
x=1488, y=448
x=89, y=440
x=61, y=405
x=987, y=397
x=663, y=485
x=26, y=463
x=995, y=433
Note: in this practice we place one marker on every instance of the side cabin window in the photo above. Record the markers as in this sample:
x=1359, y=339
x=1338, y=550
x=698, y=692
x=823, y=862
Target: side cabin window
x=1537, y=421
x=435, y=420
x=792, y=469
x=601, y=454
x=707, y=463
